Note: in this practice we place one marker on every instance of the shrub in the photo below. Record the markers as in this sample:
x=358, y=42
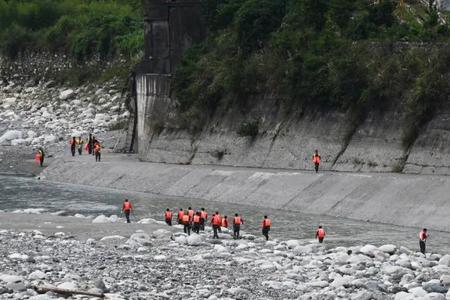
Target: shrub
x=248, y=129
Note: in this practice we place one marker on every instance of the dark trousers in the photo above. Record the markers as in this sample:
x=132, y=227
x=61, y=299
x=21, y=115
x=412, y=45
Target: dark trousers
x=202, y=224
x=169, y=222
x=42, y=161
x=215, y=230
x=265, y=232
x=187, y=228
x=127, y=215
x=196, y=228
x=236, y=229
x=80, y=150
x=316, y=167
x=179, y=221
x=72, y=149
x=422, y=246
x=98, y=156
x=320, y=240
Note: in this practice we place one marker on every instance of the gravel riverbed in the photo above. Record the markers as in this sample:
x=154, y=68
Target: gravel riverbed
x=154, y=261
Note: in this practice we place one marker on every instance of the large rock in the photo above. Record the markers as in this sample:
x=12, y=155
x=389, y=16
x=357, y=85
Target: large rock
x=194, y=240
x=139, y=239
x=390, y=249
x=369, y=250
x=434, y=286
x=10, y=135
x=66, y=94
x=445, y=260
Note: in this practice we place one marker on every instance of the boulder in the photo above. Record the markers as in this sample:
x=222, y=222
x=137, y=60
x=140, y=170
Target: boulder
x=194, y=240
x=390, y=249
x=368, y=250
x=10, y=135
x=434, y=286
x=445, y=260
x=66, y=94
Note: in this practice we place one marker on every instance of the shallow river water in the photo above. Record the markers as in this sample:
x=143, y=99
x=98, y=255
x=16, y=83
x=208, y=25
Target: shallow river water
x=17, y=193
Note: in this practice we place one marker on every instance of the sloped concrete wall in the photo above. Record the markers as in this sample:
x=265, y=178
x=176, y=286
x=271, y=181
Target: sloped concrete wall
x=407, y=200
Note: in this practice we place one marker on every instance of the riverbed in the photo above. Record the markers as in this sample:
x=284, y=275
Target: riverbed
x=20, y=193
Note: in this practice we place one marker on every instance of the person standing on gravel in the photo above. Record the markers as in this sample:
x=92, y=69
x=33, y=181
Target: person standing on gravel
x=237, y=221
x=80, y=143
x=40, y=155
x=216, y=223
x=203, y=219
x=90, y=144
x=320, y=234
x=73, y=145
x=168, y=217
x=180, y=216
x=266, y=224
x=423, y=235
x=127, y=208
x=187, y=223
x=196, y=222
x=97, y=151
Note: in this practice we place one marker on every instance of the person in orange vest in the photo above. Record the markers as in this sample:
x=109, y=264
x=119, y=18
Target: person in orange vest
x=316, y=160
x=126, y=208
x=73, y=145
x=180, y=216
x=225, y=222
x=191, y=213
x=168, y=217
x=266, y=224
x=203, y=219
x=216, y=223
x=97, y=151
x=320, y=234
x=237, y=221
x=423, y=235
x=39, y=157
x=196, y=219
x=187, y=223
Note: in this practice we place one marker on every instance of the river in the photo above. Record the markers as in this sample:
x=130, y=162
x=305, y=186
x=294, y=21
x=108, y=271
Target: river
x=18, y=193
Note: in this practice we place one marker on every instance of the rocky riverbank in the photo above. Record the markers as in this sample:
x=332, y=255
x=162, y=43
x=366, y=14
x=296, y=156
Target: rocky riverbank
x=149, y=261
x=46, y=115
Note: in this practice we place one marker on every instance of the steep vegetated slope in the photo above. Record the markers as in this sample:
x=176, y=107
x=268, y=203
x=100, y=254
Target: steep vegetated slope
x=358, y=80
x=100, y=39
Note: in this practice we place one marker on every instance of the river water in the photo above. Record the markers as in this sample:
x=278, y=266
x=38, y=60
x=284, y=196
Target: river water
x=18, y=193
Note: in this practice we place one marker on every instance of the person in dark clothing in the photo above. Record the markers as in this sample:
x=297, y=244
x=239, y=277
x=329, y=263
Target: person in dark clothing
x=187, y=223
x=423, y=235
x=91, y=144
x=73, y=145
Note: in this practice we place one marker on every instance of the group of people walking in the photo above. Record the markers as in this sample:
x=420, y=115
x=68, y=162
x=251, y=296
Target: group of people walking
x=92, y=146
x=196, y=221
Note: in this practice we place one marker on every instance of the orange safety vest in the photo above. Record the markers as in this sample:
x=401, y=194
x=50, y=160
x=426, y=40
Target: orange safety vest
x=237, y=221
x=126, y=206
x=320, y=233
x=422, y=235
x=196, y=219
x=97, y=148
x=191, y=213
x=217, y=220
x=316, y=159
x=204, y=215
x=168, y=215
x=180, y=215
x=185, y=219
x=267, y=223
x=225, y=223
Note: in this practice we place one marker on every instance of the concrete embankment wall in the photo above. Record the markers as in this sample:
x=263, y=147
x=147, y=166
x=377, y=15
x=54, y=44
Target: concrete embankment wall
x=407, y=200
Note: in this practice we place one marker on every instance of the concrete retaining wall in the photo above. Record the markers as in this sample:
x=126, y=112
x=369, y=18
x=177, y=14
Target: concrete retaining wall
x=407, y=200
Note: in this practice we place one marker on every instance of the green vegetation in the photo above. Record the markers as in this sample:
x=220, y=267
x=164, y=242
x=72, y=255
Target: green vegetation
x=249, y=129
x=80, y=28
x=356, y=56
